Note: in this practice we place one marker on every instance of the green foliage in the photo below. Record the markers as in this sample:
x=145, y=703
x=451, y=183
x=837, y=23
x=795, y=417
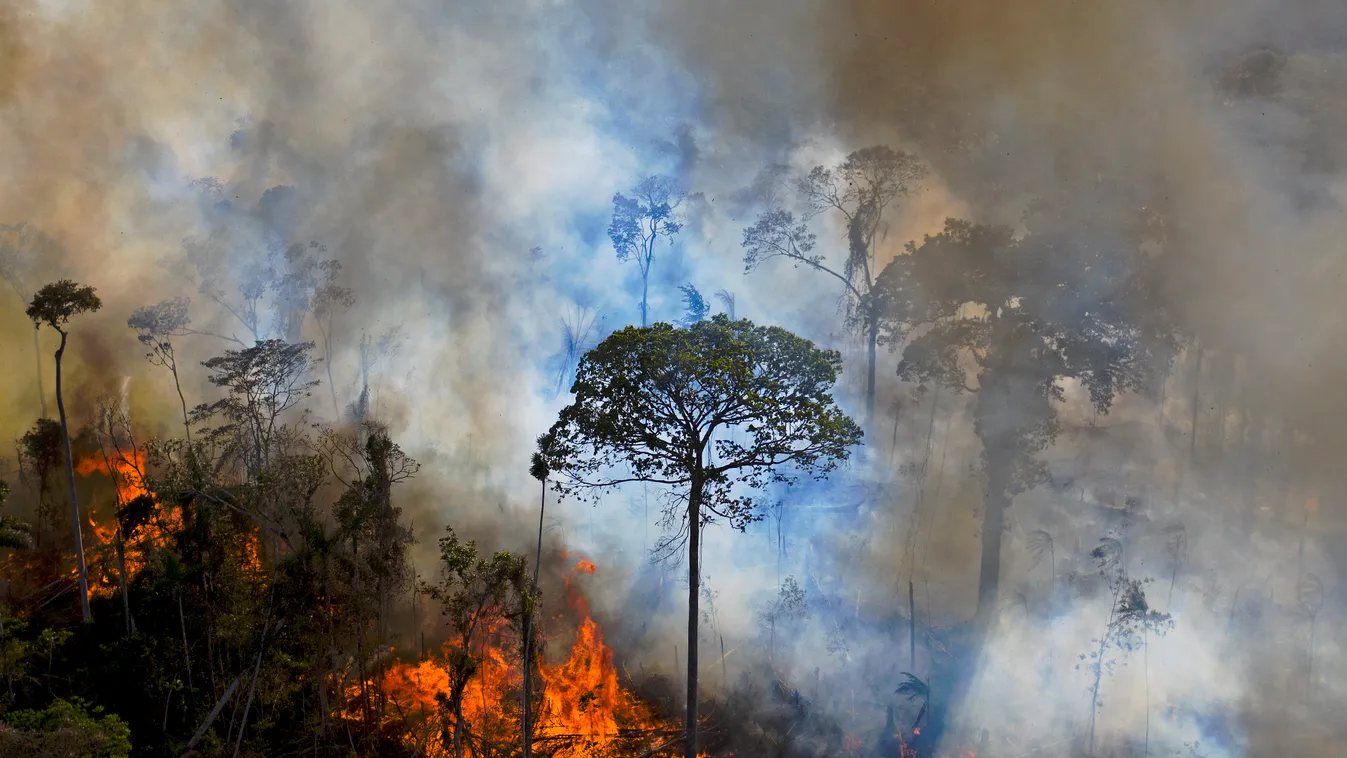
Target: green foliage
x=654, y=399
x=41, y=448
x=56, y=303
x=695, y=306
x=478, y=596
x=64, y=729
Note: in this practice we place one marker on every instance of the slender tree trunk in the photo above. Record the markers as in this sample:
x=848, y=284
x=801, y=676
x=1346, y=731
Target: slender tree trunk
x=122, y=580
x=645, y=293
x=527, y=737
x=989, y=575
x=872, y=358
x=37, y=353
x=186, y=421
x=458, y=726
x=70, y=481
x=694, y=589
x=186, y=651
x=327, y=359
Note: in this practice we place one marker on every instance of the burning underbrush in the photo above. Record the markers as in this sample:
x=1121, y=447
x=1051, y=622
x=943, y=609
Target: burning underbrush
x=582, y=705
x=124, y=532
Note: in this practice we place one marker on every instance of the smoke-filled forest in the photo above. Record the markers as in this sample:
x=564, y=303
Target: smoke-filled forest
x=571, y=378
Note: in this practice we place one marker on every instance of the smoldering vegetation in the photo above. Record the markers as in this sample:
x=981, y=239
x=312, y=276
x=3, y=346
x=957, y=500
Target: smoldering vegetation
x=459, y=164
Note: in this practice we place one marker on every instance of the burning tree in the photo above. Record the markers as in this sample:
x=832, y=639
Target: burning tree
x=478, y=595
x=54, y=305
x=659, y=402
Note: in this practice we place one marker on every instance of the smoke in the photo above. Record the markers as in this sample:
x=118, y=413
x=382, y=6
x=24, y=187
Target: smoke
x=459, y=161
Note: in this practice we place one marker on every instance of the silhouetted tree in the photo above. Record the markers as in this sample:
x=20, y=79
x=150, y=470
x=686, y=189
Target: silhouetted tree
x=638, y=223
x=54, y=305
x=263, y=383
x=861, y=190
x=157, y=325
x=40, y=452
x=1026, y=314
x=658, y=402
x=695, y=306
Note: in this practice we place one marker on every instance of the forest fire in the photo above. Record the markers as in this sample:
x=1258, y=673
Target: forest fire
x=585, y=711
x=145, y=529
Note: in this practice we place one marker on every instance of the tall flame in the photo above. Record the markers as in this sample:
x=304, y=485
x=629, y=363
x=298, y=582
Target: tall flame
x=127, y=474
x=585, y=710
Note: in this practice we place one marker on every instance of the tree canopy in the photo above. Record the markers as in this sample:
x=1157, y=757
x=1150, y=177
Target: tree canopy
x=661, y=402
x=654, y=399
x=56, y=303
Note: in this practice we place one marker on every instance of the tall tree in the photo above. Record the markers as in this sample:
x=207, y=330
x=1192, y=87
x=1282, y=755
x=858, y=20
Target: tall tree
x=1026, y=315
x=638, y=224
x=264, y=382
x=157, y=325
x=655, y=404
x=860, y=191
x=54, y=305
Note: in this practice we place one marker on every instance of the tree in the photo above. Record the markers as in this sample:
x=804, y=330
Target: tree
x=538, y=470
x=21, y=246
x=659, y=402
x=54, y=305
x=1026, y=314
x=264, y=382
x=695, y=306
x=157, y=326
x=40, y=452
x=476, y=595
x=309, y=285
x=861, y=190
x=1130, y=619
x=638, y=223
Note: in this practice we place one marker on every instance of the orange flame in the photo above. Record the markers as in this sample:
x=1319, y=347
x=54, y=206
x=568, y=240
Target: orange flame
x=127, y=475
x=585, y=710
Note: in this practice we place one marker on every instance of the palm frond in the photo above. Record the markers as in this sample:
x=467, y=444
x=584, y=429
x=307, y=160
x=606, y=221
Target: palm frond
x=913, y=687
x=1310, y=595
x=1108, y=554
x=1039, y=544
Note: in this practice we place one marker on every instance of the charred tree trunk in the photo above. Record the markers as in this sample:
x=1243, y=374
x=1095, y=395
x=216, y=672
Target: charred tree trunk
x=995, y=503
x=122, y=580
x=70, y=481
x=694, y=589
x=527, y=725
x=872, y=340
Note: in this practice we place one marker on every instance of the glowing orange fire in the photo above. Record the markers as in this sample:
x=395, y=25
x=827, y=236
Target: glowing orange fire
x=127, y=475
x=585, y=711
